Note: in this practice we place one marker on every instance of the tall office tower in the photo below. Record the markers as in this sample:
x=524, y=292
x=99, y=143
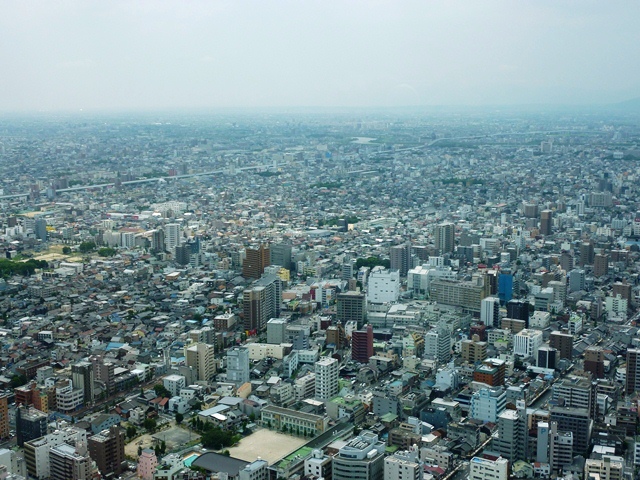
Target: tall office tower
x=348, y=269
x=594, y=361
x=512, y=436
x=399, y=256
x=563, y=342
x=70, y=463
x=82, y=377
x=201, y=357
x=280, y=254
x=530, y=210
x=4, y=416
x=576, y=280
x=600, y=265
x=351, y=306
x=383, y=286
x=261, y=302
x=362, y=344
x=444, y=238
x=560, y=448
x=519, y=310
x=546, y=222
x=488, y=469
x=255, y=262
x=238, y=365
x=40, y=228
x=547, y=357
x=578, y=422
x=327, y=387
x=107, y=450
x=633, y=371
x=183, y=254
x=400, y=466
x=437, y=344
x=490, y=311
x=586, y=254
x=542, y=443
x=30, y=424
x=172, y=236
x=360, y=459
x=575, y=392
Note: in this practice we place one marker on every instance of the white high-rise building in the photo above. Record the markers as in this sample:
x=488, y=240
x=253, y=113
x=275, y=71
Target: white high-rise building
x=487, y=404
x=485, y=469
x=383, y=286
x=401, y=466
x=172, y=236
x=238, y=365
x=490, y=311
x=437, y=344
x=326, y=370
x=527, y=342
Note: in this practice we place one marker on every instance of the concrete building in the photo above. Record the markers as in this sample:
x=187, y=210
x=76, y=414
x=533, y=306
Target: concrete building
x=609, y=467
x=294, y=421
x=444, y=238
x=351, y=306
x=560, y=448
x=362, y=344
x=512, y=436
x=401, y=466
x=527, y=342
x=326, y=379
x=490, y=311
x=487, y=404
x=473, y=351
x=383, y=286
x=487, y=469
x=261, y=302
x=632, y=383
x=578, y=422
x=362, y=458
x=237, y=362
x=30, y=424
x=70, y=463
x=107, y=449
x=276, y=330
x=575, y=392
x=563, y=342
x=437, y=344
x=255, y=262
x=201, y=358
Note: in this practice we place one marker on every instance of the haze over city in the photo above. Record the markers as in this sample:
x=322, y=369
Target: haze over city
x=151, y=55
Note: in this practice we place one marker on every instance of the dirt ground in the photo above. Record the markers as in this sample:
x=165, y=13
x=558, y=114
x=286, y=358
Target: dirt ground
x=131, y=448
x=174, y=437
x=268, y=445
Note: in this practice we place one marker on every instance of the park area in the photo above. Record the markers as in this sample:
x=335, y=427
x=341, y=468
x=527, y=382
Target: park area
x=266, y=444
x=175, y=438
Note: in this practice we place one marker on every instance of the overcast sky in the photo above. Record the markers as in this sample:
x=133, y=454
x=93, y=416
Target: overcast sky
x=155, y=54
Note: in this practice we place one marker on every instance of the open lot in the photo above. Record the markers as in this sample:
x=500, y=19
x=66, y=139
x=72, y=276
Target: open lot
x=266, y=444
x=174, y=437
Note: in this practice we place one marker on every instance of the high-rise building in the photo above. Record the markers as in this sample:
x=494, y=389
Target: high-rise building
x=512, y=435
x=437, y=344
x=183, y=254
x=157, y=241
x=527, y=342
x=542, y=443
x=238, y=365
x=578, y=422
x=70, y=463
x=107, y=449
x=546, y=222
x=280, y=254
x=488, y=469
x=600, y=265
x=276, y=330
x=201, y=358
x=256, y=260
x=576, y=280
x=172, y=236
x=586, y=253
x=351, y=307
x=444, y=238
x=563, y=342
x=30, y=424
x=519, y=310
x=383, y=286
x=473, y=351
x=326, y=377
x=575, y=392
x=82, y=377
x=560, y=448
x=487, y=404
x=41, y=229
x=490, y=311
x=362, y=458
x=261, y=302
x=362, y=344
x=4, y=417
x=633, y=371
x=399, y=258
x=467, y=295
x=547, y=357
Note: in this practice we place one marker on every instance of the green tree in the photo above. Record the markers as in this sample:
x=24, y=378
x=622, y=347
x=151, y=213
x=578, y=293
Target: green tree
x=150, y=424
x=179, y=418
x=86, y=247
x=18, y=380
x=66, y=250
x=161, y=391
x=163, y=448
x=131, y=431
x=107, y=252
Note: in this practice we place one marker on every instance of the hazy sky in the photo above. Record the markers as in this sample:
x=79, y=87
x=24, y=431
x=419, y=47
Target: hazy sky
x=154, y=54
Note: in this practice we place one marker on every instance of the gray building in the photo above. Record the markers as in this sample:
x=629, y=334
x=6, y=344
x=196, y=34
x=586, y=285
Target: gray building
x=360, y=459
